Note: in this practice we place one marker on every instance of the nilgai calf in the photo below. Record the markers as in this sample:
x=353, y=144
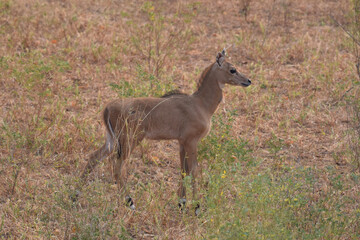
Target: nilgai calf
x=186, y=118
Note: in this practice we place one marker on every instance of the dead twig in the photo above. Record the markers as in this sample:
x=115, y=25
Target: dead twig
x=346, y=31
x=357, y=42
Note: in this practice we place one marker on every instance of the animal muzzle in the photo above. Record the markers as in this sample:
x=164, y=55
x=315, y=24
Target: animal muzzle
x=246, y=84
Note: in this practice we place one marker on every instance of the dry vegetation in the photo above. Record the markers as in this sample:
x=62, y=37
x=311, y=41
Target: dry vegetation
x=276, y=165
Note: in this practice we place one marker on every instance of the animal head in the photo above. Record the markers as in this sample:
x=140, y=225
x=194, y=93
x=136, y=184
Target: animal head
x=227, y=73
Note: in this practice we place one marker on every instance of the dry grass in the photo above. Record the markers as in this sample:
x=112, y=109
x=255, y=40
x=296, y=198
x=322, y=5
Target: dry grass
x=60, y=61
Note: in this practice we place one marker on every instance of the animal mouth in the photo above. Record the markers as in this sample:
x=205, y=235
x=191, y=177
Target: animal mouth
x=245, y=84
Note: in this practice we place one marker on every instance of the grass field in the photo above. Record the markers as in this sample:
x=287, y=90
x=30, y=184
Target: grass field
x=282, y=159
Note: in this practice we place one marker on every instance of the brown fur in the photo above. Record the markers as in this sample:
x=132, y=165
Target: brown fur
x=203, y=75
x=172, y=93
x=185, y=118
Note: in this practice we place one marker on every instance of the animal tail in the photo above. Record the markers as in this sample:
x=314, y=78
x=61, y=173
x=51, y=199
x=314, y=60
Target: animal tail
x=110, y=132
x=108, y=125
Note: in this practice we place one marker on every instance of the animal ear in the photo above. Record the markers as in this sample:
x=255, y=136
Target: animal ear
x=220, y=58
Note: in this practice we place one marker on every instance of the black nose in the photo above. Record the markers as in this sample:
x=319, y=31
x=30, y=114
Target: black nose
x=249, y=80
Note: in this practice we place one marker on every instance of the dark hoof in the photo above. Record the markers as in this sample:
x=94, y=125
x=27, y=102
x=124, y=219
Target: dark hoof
x=197, y=210
x=182, y=203
x=74, y=196
x=130, y=202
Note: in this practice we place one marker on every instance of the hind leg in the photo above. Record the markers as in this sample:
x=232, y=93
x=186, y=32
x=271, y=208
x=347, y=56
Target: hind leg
x=92, y=161
x=98, y=156
x=119, y=172
x=119, y=168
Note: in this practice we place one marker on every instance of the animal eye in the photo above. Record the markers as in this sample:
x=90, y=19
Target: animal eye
x=233, y=71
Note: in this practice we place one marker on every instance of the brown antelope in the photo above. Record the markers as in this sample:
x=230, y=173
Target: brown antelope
x=186, y=118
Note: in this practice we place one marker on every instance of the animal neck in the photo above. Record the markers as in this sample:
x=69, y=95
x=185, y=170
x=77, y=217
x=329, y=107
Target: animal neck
x=209, y=92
